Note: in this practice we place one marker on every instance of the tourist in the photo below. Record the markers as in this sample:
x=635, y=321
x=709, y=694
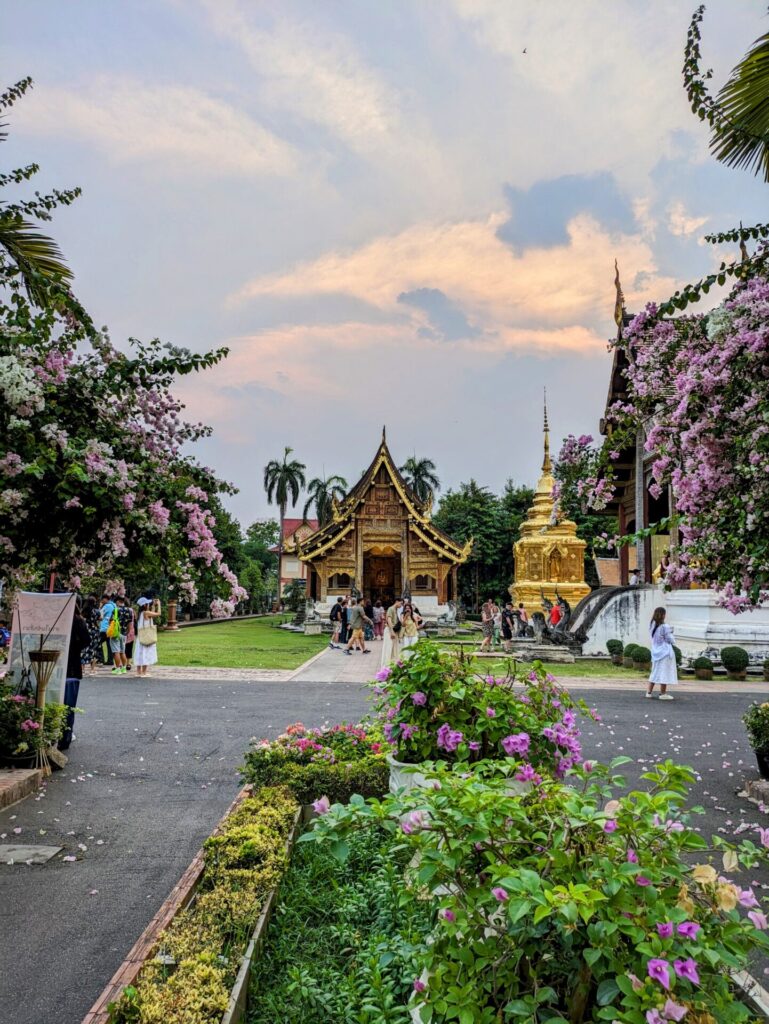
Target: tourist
x=487, y=625
x=410, y=623
x=523, y=619
x=130, y=633
x=555, y=615
x=358, y=619
x=345, y=629
x=146, y=647
x=92, y=617
x=107, y=608
x=336, y=615
x=379, y=620
x=391, y=645
x=79, y=640
x=664, y=669
x=633, y=581
x=508, y=624
x=496, y=617
x=117, y=642
x=368, y=629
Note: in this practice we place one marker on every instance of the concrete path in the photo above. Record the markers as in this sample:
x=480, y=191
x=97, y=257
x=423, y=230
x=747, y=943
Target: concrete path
x=334, y=666
x=151, y=772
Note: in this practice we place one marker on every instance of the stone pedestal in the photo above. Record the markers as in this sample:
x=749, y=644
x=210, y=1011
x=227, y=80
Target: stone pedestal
x=171, y=622
x=313, y=628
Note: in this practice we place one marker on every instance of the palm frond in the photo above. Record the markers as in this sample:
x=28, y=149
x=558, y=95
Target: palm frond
x=740, y=136
x=36, y=255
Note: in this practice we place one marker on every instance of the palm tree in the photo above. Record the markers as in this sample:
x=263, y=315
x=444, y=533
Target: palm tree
x=283, y=481
x=419, y=474
x=322, y=493
x=36, y=256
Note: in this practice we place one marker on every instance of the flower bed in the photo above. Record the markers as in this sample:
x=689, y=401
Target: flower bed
x=194, y=963
x=335, y=762
x=21, y=734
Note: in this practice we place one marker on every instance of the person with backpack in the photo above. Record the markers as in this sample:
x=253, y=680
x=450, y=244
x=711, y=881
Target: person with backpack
x=107, y=610
x=116, y=636
x=336, y=614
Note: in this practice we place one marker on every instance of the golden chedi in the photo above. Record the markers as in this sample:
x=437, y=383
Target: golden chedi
x=549, y=557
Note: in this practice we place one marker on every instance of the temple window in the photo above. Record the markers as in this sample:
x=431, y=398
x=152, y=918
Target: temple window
x=424, y=583
x=339, y=581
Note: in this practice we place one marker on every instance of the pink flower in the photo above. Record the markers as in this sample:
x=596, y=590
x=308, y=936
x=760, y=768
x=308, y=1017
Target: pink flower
x=636, y=982
x=687, y=969
x=610, y=825
x=419, y=985
x=526, y=773
x=491, y=713
x=322, y=805
x=632, y=856
x=499, y=893
x=759, y=920
x=383, y=674
x=447, y=915
x=518, y=743
x=655, y=1017
x=747, y=899
x=29, y=724
x=419, y=698
x=688, y=929
x=642, y=880
x=674, y=1011
x=665, y=929
x=764, y=836
x=659, y=970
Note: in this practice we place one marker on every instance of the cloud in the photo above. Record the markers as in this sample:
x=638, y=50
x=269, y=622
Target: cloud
x=447, y=321
x=541, y=297
x=680, y=222
x=540, y=215
x=179, y=126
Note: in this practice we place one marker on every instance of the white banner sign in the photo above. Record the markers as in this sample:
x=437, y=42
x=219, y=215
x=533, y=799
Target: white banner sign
x=46, y=619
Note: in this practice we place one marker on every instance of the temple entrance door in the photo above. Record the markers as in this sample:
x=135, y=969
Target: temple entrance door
x=382, y=578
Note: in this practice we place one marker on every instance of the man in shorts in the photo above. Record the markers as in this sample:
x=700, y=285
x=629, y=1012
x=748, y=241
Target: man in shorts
x=337, y=614
x=117, y=643
x=358, y=620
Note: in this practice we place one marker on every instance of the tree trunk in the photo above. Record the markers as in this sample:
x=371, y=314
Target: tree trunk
x=280, y=558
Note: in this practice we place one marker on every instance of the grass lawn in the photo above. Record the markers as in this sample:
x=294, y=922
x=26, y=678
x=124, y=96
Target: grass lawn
x=590, y=668
x=252, y=643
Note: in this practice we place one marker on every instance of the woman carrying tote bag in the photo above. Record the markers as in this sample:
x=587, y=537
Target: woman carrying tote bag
x=146, y=646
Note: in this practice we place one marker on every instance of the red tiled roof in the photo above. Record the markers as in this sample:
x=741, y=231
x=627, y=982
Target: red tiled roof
x=290, y=526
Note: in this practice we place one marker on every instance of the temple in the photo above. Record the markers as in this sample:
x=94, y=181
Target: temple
x=382, y=543
x=549, y=557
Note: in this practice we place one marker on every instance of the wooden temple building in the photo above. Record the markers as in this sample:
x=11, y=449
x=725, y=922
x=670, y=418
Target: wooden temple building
x=634, y=506
x=381, y=543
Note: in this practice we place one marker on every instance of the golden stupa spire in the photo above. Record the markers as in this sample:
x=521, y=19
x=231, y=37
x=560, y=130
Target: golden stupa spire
x=547, y=465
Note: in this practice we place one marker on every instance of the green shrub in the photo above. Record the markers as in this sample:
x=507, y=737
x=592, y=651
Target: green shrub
x=614, y=647
x=703, y=664
x=734, y=659
x=642, y=655
x=756, y=720
x=202, y=946
x=368, y=776
x=679, y=655
x=629, y=650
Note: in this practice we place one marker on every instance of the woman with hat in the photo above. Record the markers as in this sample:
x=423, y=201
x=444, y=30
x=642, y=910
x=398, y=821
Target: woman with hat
x=146, y=646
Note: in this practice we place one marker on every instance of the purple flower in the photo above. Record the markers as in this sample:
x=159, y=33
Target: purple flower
x=642, y=880
x=518, y=743
x=526, y=773
x=321, y=806
x=674, y=1011
x=499, y=893
x=491, y=713
x=407, y=731
x=419, y=698
x=763, y=834
x=659, y=970
x=665, y=929
x=447, y=915
x=610, y=825
x=654, y=1017
x=383, y=674
x=632, y=856
x=448, y=738
x=747, y=899
x=419, y=985
x=687, y=969
x=758, y=919
x=689, y=929
x=474, y=745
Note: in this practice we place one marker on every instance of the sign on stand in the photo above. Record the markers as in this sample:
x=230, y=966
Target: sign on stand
x=46, y=618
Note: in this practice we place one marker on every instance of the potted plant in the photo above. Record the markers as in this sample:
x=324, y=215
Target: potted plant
x=436, y=708
x=703, y=668
x=756, y=720
x=627, y=659
x=735, y=660
x=642, y=658
x=616, y=650
x=21, y=734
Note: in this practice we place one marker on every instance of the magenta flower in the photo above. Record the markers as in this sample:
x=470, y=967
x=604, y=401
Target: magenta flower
x=763, y=834
x=688, y=929
x=659, y=970
x=665, y=929
x=491, y=713
x=383, y=674
x=407, y=731
x=419, y=698
x=632, y=856
x=448, y=738
x=655, y=1017
x=499, y=893
x=610, y=825
x=759, y=920
x=474, y=745
x=747, y=899
x=687, y=969
x=29, y=724
x=321, y=806
x=419, y=985
x=447, y=915
x=674, y=1011
x=526, y=773
x=518, y=743
x=642, y=880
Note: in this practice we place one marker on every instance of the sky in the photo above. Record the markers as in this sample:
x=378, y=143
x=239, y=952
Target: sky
x=402, y=213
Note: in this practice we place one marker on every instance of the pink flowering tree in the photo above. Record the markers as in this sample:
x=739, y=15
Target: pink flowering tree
x=582, y=492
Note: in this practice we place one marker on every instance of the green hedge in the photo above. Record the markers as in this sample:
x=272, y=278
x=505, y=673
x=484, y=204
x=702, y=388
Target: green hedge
x=734, y=659
x=614, y=647
x=642, y=655
x=703, y=664
x=629, y=650
x=368, y=776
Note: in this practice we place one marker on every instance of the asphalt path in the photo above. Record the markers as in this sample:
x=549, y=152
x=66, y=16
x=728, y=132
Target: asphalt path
x=154, y=767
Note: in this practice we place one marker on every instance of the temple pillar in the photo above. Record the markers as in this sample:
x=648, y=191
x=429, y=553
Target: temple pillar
x=359, y=557
x=640, y=505
x=323, y=583
x=623, y=551
x=405, y=582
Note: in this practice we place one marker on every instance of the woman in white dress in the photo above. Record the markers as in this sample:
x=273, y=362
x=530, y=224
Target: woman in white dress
x=145, y=654
x=664, y=669
x=391, y=644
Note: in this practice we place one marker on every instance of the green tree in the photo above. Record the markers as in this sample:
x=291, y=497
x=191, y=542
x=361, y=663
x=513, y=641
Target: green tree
x=259, y=544
x=471, y=511
x=283, y=482
x=34, y=255
x=322, y=493
x=252, y=579
x=229, y=538
x=419, y=474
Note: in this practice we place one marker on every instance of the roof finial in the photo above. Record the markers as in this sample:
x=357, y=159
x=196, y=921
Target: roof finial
x=547, y=465
x=619, y=302
x=384, y=434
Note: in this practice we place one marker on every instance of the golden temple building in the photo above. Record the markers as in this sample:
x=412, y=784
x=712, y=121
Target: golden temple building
x=549, y=557
x=382, y=543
